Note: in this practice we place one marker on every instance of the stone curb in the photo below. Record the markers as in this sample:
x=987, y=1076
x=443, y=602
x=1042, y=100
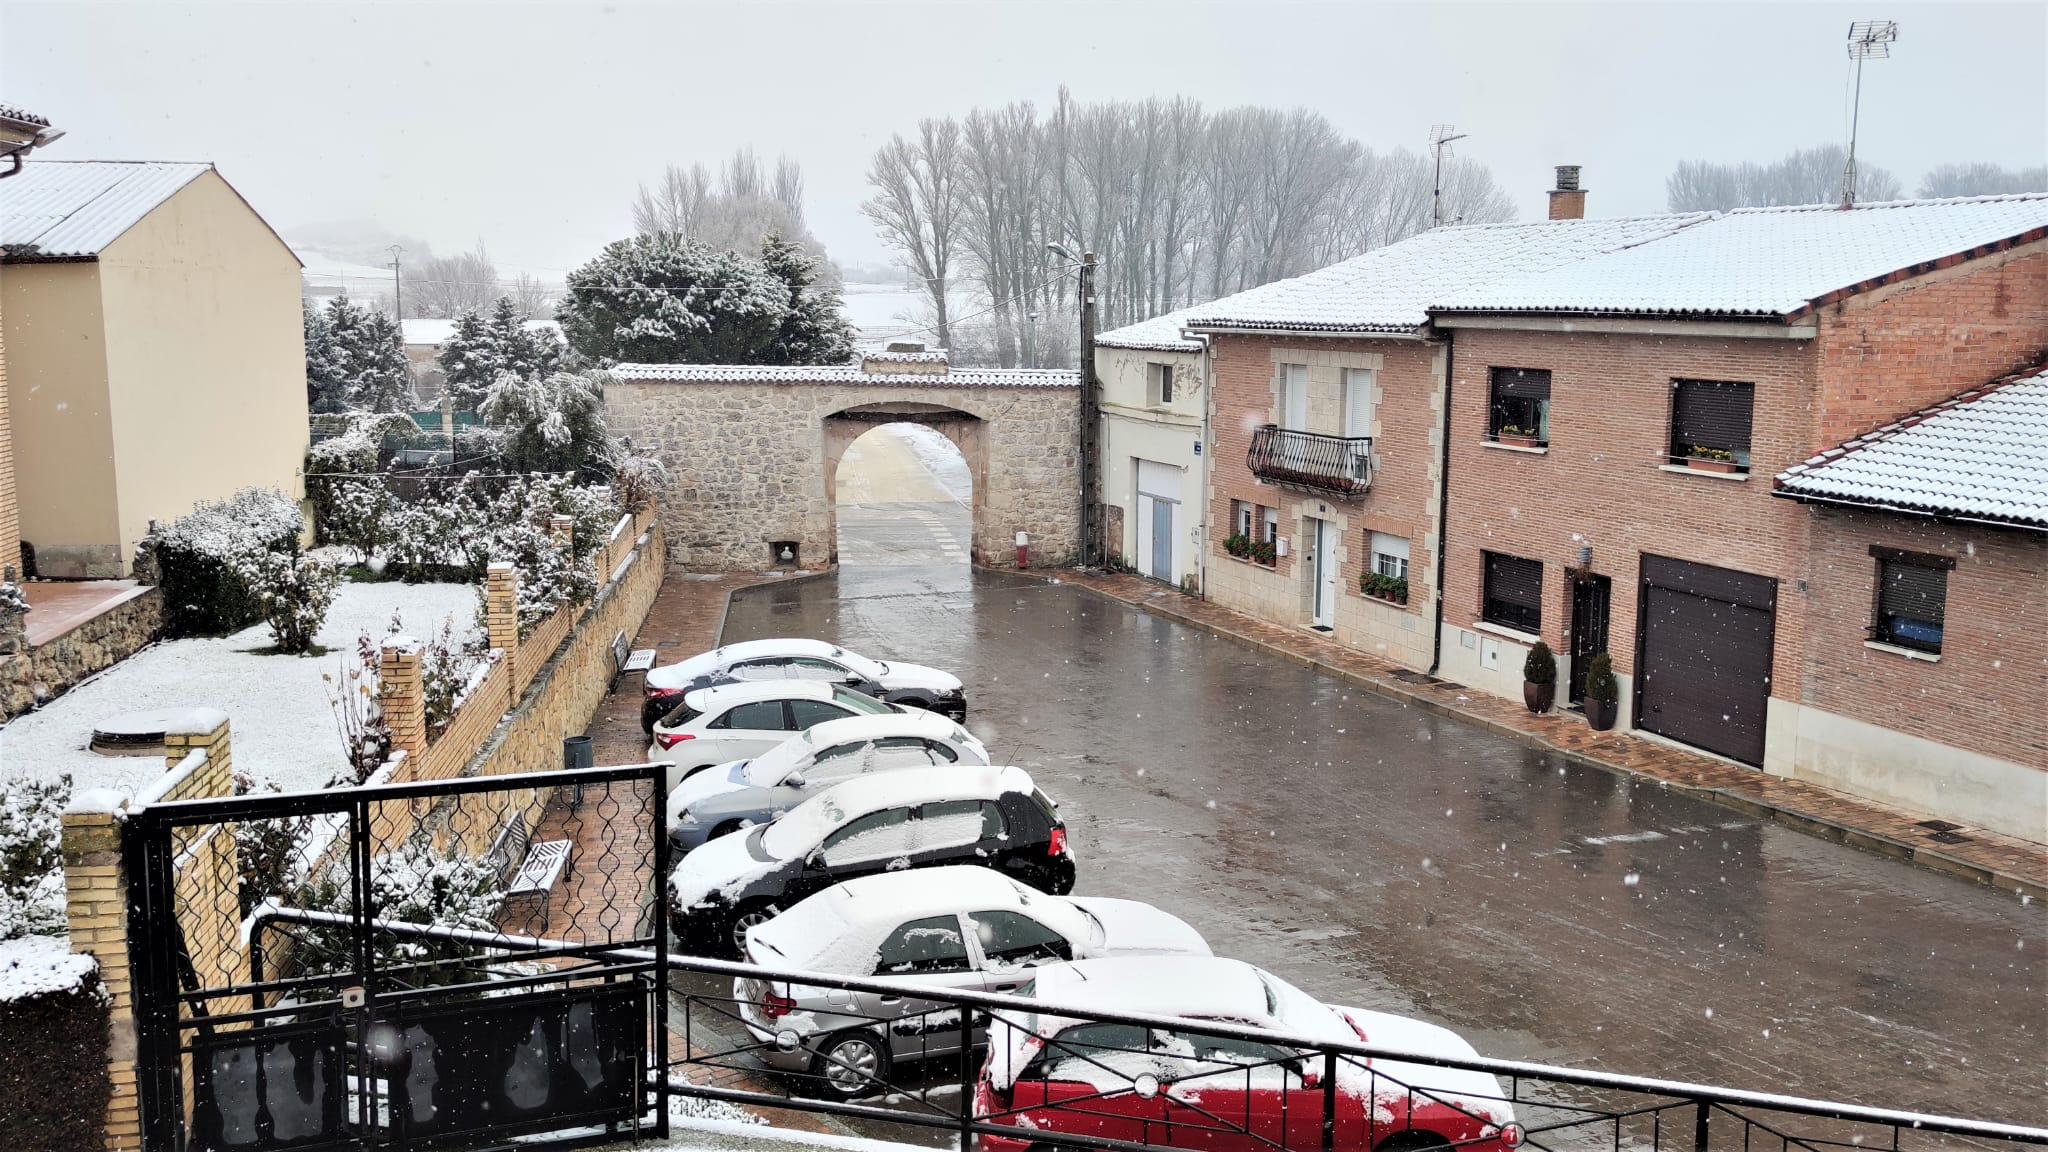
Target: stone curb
x=1812, y=825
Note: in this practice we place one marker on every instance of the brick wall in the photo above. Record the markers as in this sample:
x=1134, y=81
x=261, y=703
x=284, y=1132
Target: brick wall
x=1407, y=404
x=1899, y=348
x=36, y=674
x=1992, y=661
x=1602, y=481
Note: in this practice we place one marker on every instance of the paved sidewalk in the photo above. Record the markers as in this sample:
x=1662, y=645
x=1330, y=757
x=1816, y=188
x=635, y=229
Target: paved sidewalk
x=2002, y=861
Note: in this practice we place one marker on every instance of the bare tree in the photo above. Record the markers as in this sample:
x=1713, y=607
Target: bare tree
x=1982, y=179
x=530, y=298
x=1807, y=176
x=916, y=206
x=674, y=202
x=447, y=286
x=744, y=206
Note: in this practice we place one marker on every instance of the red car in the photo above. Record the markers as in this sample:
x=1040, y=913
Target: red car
x=1183, y=1089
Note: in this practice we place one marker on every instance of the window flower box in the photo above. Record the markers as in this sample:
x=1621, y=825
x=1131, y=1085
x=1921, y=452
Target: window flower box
x=1392, y=589
x=1239, y=545
x=1515, y=436
x=1704, y=459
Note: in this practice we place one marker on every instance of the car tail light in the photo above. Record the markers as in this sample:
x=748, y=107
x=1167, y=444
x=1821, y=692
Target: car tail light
x=776, y=1007
x=1511, y=1134
x=669, y=740
x=1058, y=843
x=654, y=693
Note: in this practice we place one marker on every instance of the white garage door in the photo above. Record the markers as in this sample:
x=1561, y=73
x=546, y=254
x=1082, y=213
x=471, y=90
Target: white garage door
x=1161, y=480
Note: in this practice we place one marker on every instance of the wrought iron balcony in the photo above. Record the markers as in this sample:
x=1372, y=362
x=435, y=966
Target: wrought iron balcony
x=1338, y=465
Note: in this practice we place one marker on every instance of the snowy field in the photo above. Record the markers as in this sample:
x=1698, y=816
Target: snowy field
x=281, y=722
x=938, y=455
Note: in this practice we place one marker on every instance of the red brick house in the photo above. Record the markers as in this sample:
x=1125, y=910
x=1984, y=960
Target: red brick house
x=1326, y=407
x=1924, y=680
x=1611, y=425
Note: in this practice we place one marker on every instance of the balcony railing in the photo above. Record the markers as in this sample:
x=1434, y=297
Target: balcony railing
x=1338, y=465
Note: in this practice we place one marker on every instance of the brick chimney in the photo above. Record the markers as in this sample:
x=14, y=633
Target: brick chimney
x=1567, y=200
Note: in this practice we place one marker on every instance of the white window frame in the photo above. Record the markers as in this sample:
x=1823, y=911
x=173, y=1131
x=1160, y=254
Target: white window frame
x=1358, y=408
x=1390, y=555
x=1159, y=384
x=1294, y=397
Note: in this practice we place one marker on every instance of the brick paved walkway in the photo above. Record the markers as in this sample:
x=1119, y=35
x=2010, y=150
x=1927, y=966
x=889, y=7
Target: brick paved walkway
x=1989, y=858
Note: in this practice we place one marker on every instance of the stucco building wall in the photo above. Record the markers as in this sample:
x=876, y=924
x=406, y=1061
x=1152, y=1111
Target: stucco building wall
x=61, y=417
x=1134, y=428
x=754, y=463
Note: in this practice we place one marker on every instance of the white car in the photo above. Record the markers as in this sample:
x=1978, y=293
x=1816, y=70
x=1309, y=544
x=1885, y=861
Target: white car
x=960, y=927
x=912, y=685
x=735, y=721
x=748, y=792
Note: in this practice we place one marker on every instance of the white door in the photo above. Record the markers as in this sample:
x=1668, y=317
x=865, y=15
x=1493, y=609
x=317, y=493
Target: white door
x=1159, y=522
x=1325, y=574
x=1294, y=397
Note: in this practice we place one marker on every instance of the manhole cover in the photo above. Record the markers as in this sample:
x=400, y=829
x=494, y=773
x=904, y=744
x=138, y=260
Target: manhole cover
x=1938, y=826
x=135, y=733
x=1948, y=838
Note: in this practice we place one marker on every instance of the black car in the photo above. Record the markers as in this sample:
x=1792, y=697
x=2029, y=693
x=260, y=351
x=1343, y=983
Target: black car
x=882, y=822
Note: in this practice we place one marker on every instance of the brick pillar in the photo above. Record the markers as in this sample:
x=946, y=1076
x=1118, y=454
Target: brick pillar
x=202, y=729
x=403, y=696
x=501, y=606
x=562, y=530
x=96, y=904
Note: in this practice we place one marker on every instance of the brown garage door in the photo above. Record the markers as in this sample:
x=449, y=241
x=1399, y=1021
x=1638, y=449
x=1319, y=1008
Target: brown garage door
x=1703, y=656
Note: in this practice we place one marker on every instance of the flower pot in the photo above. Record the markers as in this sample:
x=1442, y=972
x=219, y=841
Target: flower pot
x=1517, y=441
x=1700, y=464
x=1539, y=697
x=1599, y=713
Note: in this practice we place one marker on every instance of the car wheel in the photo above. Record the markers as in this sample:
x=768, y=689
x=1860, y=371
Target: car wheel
x=852, y=1063
x=757, y=912
x=727, y=828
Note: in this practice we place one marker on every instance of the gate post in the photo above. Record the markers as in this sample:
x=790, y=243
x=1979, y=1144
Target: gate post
x=404, y=700
x=96, y=904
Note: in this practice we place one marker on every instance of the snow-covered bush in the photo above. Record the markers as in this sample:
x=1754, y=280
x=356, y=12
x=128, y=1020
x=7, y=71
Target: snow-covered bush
x=446, y=667
x=31, y=856
x=636, y=480
x=268, y=851
x=293, y=592
x=196, y=559
x=414, y=884
x=355, y=512
x=552, y=423
x=353, y=692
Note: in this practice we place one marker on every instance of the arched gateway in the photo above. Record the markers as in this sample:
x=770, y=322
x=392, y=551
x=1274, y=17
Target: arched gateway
x=752, y=452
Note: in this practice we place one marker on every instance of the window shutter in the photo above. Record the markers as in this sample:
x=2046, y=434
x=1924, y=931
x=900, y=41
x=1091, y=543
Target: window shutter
x=1913, y=591
x=1713, y=414
x=1513, y=580
x=1521, y=383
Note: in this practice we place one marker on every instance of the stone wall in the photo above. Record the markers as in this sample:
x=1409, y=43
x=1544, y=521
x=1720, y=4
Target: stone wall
x=753, y=462
x=36, y=674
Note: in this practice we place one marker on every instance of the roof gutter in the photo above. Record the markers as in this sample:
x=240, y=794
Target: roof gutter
x=1754, y=326
x=1411, y=334
x=1901, y=510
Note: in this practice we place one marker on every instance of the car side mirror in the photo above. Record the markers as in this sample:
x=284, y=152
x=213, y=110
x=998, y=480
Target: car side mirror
x=795, y=780
x=816, y=860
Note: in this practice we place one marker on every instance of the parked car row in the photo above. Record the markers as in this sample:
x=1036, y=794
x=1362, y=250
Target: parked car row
x=867, y=839
x=815, y=661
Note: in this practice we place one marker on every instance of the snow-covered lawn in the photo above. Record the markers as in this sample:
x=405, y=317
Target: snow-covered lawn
x=281, y=722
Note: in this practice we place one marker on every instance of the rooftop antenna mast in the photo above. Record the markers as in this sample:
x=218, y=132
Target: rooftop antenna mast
x=1868, y=40
x=1440, y=137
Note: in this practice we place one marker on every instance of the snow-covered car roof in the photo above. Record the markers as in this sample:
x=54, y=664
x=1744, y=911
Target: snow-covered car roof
x=767, y=769
x=842, y=928
x=1980, y=456
x=1209, y=987
x=747, y=691
x=705, y=663
x=1762, y=262
x=811, y=821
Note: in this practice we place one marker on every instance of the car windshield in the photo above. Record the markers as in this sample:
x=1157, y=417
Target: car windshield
x=768, y=769
x=804, y=828
x=861, y=702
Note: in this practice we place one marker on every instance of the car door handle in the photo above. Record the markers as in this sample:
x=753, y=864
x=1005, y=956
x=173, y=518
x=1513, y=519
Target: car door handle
x=889, y=999
x=1005, y=988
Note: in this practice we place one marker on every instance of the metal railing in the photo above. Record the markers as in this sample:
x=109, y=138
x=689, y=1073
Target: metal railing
x=1338, y=465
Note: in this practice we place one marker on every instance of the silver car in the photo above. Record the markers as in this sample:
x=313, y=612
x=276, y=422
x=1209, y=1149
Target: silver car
x=728, y=797
x=956, y=928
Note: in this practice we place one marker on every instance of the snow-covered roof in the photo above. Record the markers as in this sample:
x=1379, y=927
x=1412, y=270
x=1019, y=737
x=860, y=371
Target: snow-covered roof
x=848, y=374
x=1159, y=334
x=20, y=115
x=1391, y=289
x=1763, y=261
x=433, y=332
x=78, y=207
x=1980, y=456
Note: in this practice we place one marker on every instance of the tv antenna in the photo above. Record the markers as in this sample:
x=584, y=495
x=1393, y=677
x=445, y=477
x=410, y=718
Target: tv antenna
x=1868, y=40
x=1440, y=137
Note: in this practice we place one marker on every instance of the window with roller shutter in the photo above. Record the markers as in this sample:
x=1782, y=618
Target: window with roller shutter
x=1709, y=417
x=1513, y=592
x=1912, y=599
x=1519, y=403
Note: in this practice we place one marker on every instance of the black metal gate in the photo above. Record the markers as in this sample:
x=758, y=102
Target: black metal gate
x=438, y=964
x=1589, y=597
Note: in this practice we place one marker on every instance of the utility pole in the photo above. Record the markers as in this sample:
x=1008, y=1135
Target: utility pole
x=1091, y=421
x=397, y=286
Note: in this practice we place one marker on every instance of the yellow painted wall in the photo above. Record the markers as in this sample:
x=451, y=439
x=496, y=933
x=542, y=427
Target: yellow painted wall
x=206, y=357
x=58, y=410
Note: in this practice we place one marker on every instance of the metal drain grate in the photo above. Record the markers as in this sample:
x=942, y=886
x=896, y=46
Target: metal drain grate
x=1938, y=826
x=1948, y=838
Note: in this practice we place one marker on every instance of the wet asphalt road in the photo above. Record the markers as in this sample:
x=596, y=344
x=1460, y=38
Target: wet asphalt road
x=1380, y=856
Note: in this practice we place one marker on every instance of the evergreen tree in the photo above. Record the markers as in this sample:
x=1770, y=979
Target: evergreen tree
x=814, y=331
x=523, y=351
x=553, y=423
x=324, y=392
x=369, y=354
x=662, y=298
x=470, y=362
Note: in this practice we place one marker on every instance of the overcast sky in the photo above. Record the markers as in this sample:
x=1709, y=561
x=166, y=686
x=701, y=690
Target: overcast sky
x=528, y=126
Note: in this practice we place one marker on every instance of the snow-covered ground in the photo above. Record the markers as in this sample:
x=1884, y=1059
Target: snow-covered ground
x=282, y=723
x=938, y=455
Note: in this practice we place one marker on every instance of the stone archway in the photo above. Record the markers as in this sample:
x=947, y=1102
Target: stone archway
x=967, y=432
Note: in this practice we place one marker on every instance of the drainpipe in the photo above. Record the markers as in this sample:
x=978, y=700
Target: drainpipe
x=1202, y=548
x=1443, y=508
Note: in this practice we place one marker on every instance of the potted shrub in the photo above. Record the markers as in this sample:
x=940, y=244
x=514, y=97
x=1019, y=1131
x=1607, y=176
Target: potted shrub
x=1263, y=552
x=1539, y=679
x=1239, y=545
x=1602, y=690
x=1517, y=436
x=1704, y=459
x=1393, y=589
